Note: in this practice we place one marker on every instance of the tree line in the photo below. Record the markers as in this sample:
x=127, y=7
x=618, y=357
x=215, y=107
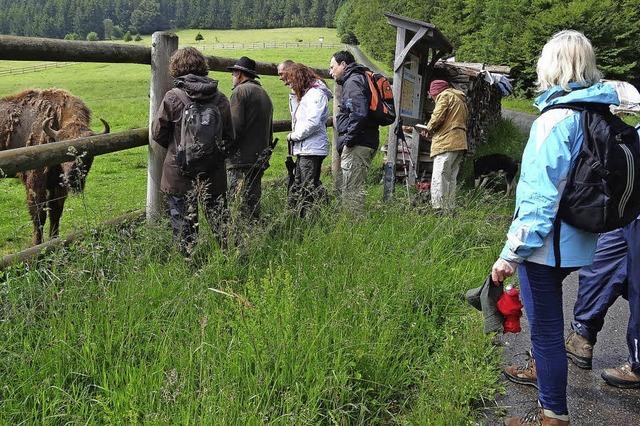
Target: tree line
x=507, y=32
x=113, y=18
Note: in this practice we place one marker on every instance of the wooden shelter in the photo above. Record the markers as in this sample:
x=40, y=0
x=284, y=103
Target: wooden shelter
x=420, y=48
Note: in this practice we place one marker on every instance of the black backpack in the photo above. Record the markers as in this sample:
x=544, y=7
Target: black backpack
x=602, y=192
x=200, y=136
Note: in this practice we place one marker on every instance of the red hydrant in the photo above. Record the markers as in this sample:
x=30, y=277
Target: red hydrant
x=510, y=307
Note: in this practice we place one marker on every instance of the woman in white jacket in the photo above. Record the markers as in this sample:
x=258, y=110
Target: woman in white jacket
x=308, y=140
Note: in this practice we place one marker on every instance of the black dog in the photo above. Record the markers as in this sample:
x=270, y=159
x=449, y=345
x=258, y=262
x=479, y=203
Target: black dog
x=488, y=166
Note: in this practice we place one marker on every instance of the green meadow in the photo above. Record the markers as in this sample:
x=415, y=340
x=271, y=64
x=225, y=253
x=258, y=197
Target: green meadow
x=119, y=93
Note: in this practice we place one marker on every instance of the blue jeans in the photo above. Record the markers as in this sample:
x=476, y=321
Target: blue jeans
x=541, y=290
x=615, y=272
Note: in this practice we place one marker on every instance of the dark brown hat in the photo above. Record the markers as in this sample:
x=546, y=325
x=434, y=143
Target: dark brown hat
x=246, y=65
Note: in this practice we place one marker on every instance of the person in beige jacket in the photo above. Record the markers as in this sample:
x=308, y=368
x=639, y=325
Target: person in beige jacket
x=448, y=128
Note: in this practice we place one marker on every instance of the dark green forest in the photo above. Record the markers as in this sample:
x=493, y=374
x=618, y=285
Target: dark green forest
x=508, y=32
x=111, y=18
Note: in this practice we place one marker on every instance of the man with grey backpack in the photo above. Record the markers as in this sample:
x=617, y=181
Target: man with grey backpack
x=194, y=124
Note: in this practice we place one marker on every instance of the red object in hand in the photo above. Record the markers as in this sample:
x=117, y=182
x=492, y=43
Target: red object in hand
x=510, y=307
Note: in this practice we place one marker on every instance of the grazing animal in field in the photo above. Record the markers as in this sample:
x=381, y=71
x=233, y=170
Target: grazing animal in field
x=36, y=117
x=488, y=166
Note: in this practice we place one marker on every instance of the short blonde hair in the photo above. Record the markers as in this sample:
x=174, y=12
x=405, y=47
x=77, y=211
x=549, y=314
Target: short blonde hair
x=567, y=57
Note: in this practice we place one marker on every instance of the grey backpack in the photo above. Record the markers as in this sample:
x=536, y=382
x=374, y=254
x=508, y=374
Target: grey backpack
x=200, y=136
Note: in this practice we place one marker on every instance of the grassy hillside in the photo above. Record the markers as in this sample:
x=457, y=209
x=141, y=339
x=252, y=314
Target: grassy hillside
x=119, y=93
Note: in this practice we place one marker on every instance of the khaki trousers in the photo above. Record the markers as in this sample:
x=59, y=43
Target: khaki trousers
x=354, y=163
x=443, y=179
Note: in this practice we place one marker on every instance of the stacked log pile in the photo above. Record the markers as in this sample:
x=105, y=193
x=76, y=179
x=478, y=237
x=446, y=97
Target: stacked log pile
x=483, y=99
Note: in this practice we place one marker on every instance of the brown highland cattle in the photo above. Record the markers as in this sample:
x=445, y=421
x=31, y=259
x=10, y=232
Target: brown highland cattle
x=36, y=117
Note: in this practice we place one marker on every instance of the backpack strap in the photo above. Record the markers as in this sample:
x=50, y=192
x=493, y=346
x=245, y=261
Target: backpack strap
x=580, y=106
x=556, y=240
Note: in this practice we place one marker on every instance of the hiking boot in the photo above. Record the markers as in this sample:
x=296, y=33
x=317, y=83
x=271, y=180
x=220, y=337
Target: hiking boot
x=538, y=417
x=621, y=377
x=579, y=350
x=523, y=374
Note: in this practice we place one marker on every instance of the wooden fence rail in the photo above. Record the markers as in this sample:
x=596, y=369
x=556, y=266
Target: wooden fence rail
x=32, y=157
x=45, y=49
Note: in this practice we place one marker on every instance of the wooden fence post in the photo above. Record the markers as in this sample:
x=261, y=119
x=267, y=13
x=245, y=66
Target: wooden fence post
x=336, y=169
x=389, y=177
x=163, y=44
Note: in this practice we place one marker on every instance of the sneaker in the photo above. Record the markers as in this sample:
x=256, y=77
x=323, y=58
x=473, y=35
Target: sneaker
x=523, y=374
x=538, y=417
x=621, y=377
x=579, y=350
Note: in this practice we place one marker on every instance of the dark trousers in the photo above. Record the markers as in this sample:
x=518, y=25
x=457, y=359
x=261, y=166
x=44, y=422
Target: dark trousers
x=615, y=272
x=183, y=213
x=245, y=190
x=307, y=187
x=541, y=287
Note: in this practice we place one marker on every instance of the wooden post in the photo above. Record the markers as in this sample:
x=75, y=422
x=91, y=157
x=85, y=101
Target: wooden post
x=392, y=145
x=336, y=169
x=163, y=45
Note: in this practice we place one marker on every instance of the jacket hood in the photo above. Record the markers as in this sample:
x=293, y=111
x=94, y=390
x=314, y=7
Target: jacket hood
x=599, y=93
x=319, y=84
x=351, y=69
x=197, y=87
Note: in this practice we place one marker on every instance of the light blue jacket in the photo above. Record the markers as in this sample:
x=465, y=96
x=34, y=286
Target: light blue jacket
x=554, y=143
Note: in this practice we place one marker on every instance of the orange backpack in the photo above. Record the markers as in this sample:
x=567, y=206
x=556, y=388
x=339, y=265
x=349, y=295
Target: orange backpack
x=381, y=108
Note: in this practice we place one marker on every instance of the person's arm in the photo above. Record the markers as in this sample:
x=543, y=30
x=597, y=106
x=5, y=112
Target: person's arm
x=237, y=111
x=355, y=98
x=228, y=134
x=545, y=166
x=439, y=113
x=315, y=105
x=162, y=125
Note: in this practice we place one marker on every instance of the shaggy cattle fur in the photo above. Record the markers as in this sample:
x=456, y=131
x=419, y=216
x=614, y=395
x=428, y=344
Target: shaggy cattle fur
x=494, y=165
x=22, y=117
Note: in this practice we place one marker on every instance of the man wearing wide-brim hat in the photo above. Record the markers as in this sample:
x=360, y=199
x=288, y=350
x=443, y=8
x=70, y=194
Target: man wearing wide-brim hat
x=252, y=115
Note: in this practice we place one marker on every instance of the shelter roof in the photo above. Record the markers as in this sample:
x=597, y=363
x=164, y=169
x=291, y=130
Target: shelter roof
x=432, y=37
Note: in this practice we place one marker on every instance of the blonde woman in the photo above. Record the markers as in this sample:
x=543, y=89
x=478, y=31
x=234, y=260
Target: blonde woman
x=567, y=72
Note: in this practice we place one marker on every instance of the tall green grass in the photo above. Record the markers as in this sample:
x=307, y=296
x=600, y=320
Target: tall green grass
x=331, y=320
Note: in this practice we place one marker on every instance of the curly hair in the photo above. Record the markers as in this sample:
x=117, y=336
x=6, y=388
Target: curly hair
x=188, y=60
x=300, y=78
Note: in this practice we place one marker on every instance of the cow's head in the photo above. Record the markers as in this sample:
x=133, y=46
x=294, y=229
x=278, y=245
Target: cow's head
x=74, y=172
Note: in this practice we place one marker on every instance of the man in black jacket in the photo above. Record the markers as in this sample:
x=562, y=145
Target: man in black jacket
x=358, y=134
x=252, y=114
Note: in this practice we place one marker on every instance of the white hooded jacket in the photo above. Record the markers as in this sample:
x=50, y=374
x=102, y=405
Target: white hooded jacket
x=308, y=119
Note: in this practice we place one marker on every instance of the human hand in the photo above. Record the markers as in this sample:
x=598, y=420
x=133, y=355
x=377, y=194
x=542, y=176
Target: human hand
x=290, y=138
x=424, y=134
x=502, y=269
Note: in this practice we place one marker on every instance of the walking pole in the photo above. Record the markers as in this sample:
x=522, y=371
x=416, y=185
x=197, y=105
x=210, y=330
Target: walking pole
x=404, y=146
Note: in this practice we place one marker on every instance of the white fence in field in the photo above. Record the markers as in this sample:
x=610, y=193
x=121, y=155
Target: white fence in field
x=33, y=68
x=266, y=45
